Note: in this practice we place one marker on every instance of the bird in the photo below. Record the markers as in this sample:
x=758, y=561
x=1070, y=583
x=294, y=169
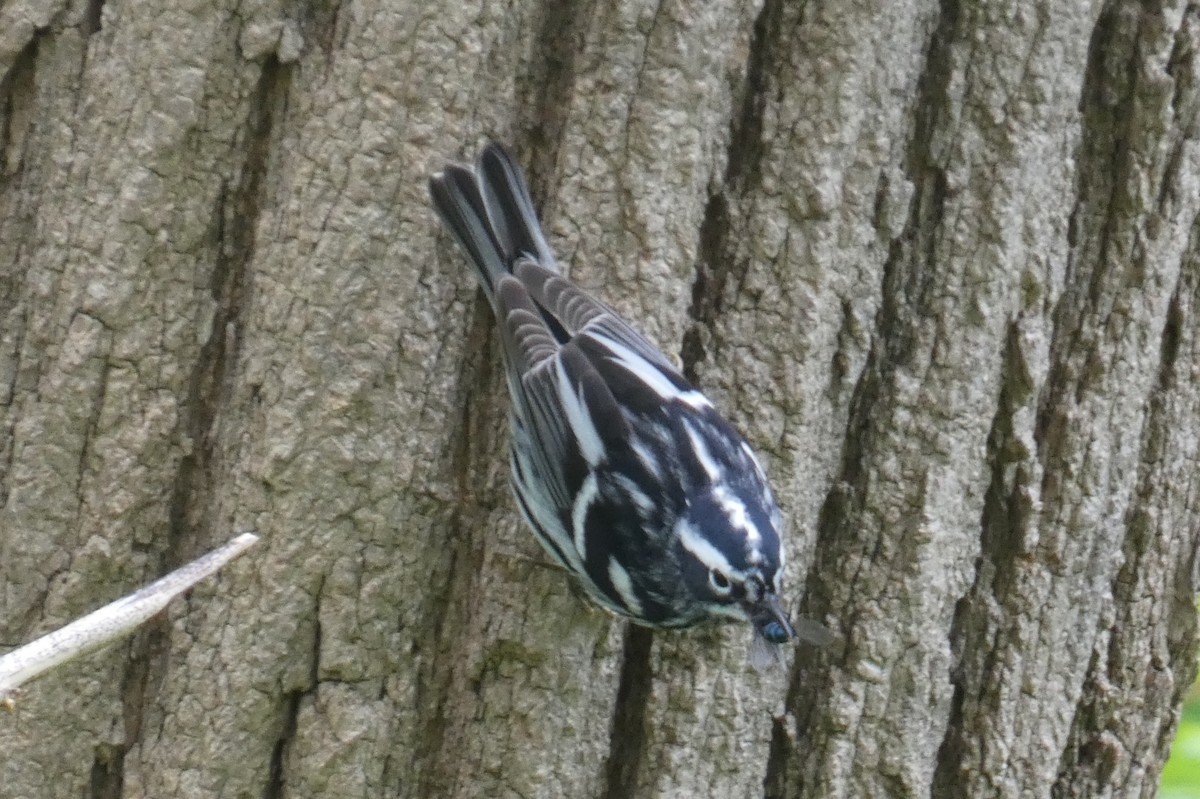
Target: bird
x=627, y=474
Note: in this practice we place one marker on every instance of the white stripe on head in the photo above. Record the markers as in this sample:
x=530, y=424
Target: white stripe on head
x=700, y=448
x=703, y=550
x=624, y=586
x=578, y=417
x=735, y=510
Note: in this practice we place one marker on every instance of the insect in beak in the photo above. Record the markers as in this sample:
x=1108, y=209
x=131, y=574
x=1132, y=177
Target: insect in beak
x=770, y=619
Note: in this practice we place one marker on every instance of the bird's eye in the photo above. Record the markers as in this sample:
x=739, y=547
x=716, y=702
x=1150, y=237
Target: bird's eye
x=718, y=581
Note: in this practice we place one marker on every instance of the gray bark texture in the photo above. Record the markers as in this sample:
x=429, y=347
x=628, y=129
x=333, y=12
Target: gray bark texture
x=939, y=260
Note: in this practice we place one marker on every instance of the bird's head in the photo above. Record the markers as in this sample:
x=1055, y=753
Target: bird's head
x=731, y=560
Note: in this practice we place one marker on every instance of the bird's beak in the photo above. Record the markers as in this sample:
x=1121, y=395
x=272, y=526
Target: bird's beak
x=770, y=619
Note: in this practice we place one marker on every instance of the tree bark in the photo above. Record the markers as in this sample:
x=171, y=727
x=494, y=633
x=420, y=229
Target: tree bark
x=940, y=261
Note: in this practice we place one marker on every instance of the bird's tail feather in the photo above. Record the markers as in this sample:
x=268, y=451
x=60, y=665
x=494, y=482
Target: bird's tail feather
x=489, y=212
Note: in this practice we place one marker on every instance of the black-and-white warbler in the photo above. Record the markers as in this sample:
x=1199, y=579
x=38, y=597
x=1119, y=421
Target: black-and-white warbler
x=627, y=475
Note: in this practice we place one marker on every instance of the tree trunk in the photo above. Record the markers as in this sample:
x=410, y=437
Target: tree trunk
x=939, y=261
